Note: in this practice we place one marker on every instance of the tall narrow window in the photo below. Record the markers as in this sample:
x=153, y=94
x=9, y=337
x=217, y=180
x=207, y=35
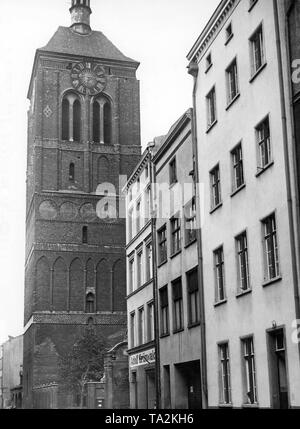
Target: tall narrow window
x=215, y=183
x=263, y=144
x=141, y=326
x=257, y=51
x=271, y=248
x=177, y=306
x=237, y=168
x=149, y=262
x=85, y=235
x=193, y=297
x=175, y=235
x=150, y=321
x=211, y=107
x=232, y=82
x=131, y=276
x=173, y=172
x=138, y=217
x=90, y=303
x=219, y=274
x=71, y=118
x=72, y=172
x=162, y=245
x=140, y=269
x=164, y=311
x=225, y=385
x=243, y=265
x=132, y=330
x=190, y=222
x=65, y=119
x=250, y=390
x=102, y=120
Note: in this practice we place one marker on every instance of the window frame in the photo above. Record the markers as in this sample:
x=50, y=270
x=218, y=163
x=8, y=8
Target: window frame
x=267, y=278
x=195, y=297
x=261, y=167
x=253, y=67
x=164, y=312
x=245, y=374
x=163, y=242
x=222, y=386
x=176, y=234
x=219, y=262
x=173, y=178
x=190, y=220
x=237, y=165
x=239, y=252
x=211, y=96
x=177, y=304
x=215, y=184
x=232, y=70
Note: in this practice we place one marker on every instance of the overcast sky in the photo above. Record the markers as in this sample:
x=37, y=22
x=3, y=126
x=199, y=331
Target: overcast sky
x=157, y=33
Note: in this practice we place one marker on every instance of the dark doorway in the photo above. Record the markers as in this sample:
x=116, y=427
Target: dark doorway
x=278, y=370
x=150, y=389
x=188, y=386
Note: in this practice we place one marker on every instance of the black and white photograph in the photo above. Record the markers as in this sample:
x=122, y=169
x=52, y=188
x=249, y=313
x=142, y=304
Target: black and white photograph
x=150, y=207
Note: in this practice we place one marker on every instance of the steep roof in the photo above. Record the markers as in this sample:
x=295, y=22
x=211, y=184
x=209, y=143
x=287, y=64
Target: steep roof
x=95, y=44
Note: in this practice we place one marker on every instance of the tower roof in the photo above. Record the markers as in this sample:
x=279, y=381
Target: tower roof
x=94, y=44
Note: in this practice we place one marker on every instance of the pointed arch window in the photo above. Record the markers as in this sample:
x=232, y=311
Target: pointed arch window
x=90, y=303
x=71, y=117
x=102, y=120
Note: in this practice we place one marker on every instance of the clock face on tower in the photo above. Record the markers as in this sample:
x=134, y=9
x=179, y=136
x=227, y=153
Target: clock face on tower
x=88, y=78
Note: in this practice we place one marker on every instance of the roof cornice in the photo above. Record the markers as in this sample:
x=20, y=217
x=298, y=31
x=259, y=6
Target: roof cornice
x=212, y=29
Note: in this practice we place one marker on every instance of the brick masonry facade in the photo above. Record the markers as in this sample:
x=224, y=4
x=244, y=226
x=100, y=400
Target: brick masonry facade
x=60, y=269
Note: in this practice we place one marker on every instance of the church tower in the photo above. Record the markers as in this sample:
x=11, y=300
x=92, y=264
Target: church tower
x=83, y=133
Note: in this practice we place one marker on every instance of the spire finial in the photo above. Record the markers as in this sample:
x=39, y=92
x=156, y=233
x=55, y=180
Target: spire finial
x=80, y=16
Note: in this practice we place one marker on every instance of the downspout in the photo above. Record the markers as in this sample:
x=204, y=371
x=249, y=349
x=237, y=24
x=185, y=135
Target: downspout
x=287, y=168
x=193, y=70
x=155, y=289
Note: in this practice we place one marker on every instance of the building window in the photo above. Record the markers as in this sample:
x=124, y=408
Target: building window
x=162, y=245
x=252, y=4
x=243, y=264
x=131, y=276
x=175, y=235
x=215, y=183
x=129, y=222
x=149, y=262
x=141, y=326
x=193, y=297
x=138, y=217
x=263, y=144
x=150, y=321
x=139, y=269
x=72, y=172
x=250, y=390
x=257, y=51
x=164, y=311
x=225, y=385
x=90, y=303
x=173, y=172
x=271, y=248
x=211, y=108
x=208, y=62
x=232, y=82
x=71, y=117
x=132, y=330
x=237, y=167
x=229, y=33
x=190, y=222
x=219, y=274
x=85, y=235
x=102, y=122
x=177, y=306
x=147, y=204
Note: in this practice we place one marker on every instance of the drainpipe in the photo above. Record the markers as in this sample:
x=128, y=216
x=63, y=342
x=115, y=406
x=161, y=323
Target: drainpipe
x=193, y=70
x=154, y=269
x=287, y=167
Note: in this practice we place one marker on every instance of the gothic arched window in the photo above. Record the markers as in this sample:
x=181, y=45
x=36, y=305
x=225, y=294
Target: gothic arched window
x=90, y=303
x=102, y=121
x=71, y=117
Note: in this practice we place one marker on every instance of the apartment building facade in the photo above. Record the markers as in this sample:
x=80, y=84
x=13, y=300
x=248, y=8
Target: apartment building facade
x=177, y=269
x=140, y=303
x=248, y=225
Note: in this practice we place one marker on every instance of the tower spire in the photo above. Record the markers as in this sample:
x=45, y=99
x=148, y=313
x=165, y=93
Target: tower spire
x=80, y=16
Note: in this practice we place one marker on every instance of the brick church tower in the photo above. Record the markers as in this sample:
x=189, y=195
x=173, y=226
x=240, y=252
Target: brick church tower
x=83, y=131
